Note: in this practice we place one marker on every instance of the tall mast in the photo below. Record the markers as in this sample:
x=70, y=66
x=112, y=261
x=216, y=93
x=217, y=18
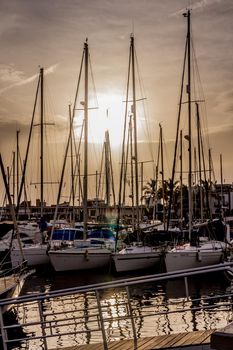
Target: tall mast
x=41, y=141
x=17, y=163
x=13, y=166
x=162, y=169
x=85, y=194
x=12, y=209
x=199, y=160
x=132, y=172
x=107, y=168
x=221, y=176
x=181, y=181
x=210, y=184
x=135, y=129
x=189, y=121
x=72, y=164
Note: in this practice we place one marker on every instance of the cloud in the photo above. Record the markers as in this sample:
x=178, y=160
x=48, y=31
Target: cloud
x=9, y=74
x=198, y=5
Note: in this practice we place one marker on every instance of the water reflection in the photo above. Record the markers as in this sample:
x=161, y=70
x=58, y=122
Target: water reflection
x=79, y=313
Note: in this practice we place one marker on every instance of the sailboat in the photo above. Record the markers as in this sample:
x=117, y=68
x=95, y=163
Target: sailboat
x=34, y=253
x=12, y=280
x=136, y=256
x=82, y=255
x=205, y=251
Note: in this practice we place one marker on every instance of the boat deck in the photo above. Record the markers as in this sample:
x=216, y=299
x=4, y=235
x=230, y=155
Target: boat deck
x=192, y=340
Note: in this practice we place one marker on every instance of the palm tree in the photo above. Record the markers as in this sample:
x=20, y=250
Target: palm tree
x=149, y=192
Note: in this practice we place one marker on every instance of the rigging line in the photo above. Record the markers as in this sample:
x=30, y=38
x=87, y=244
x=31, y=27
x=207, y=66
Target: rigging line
x=28, y=146
x=50, y=108
x=177, y=132
x=25, y=183
x=96, y=155
x=213, y=171
x=101, y=168
x=146, y=126
x=93, y=81
x=112, y=177
x=202, y=95
x=68, y=141
x=126, y=168
x=77, y=163
x=166, y=154
x=124, y=137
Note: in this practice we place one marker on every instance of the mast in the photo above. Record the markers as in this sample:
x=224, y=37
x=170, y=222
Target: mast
x=177, y=134
x=12, y=209
x=17, y=163
x=188, y=15
x=221, y=175
x=107, y=168
x=132, y=173
x=199, y=160
x=72, y=164
x=181, y=181
x=22, y=183
x=13, y=166
x=41, y=141
x=210, y=184
x=135, y=130
x=162, y=169
x=85, y=193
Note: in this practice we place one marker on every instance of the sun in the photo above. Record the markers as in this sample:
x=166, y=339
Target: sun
x=109, y=116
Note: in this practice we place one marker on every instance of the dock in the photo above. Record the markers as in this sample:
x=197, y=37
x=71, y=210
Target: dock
x=193, y=340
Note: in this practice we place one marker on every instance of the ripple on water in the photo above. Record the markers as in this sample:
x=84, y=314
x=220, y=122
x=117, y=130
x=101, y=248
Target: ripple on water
x=146, y=300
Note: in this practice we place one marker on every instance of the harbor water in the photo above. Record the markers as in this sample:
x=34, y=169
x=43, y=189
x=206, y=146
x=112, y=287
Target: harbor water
x=161, y=297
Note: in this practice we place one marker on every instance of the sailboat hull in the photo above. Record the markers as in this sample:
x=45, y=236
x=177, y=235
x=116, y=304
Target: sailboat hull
x=181, y=260
x=79, y=259
x=34, y=255
x=136, y=258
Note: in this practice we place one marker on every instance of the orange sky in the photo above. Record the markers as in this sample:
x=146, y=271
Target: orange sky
x=51, y=34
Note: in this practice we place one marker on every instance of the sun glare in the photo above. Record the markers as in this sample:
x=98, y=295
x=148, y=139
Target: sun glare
x=109, y=116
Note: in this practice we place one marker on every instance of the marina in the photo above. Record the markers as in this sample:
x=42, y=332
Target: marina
x=116, y=213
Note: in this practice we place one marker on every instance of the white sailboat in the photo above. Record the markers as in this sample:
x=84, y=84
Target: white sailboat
x=34, y=253
x=11, y=280
x=187, y=256
x=83, y=255
x=136, y=256
x=203, y=253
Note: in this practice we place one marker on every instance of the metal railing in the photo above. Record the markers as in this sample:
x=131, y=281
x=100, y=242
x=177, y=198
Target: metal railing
x=83, y=310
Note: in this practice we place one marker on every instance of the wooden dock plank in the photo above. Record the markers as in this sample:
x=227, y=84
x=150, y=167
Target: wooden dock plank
x=174, y=340
x=120, y=344
x=187, y=339
x=204, y=338
x=170, y=341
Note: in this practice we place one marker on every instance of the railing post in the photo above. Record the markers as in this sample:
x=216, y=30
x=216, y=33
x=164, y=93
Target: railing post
x=131, y=318
x=3, y=331
x=42, y=324
x=101, y=320
x=186, y=287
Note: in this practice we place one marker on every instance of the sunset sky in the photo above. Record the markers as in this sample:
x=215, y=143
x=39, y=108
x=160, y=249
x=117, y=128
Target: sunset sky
x=51, y=33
